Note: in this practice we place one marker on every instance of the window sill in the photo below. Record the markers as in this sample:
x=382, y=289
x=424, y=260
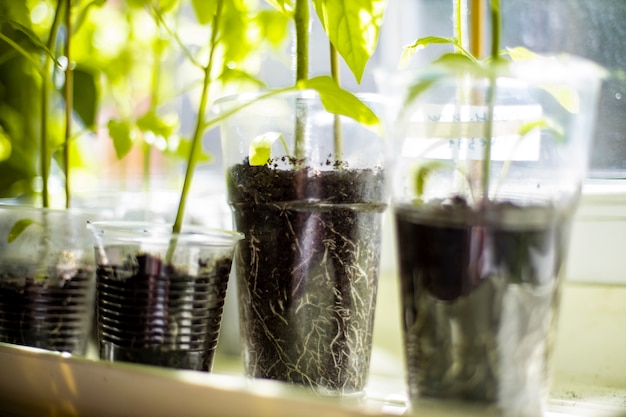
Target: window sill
x=599, y=235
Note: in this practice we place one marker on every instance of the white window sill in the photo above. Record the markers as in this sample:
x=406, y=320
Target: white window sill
x=598, y=238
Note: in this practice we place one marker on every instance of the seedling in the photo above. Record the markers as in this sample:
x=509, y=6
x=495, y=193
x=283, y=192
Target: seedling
x=352, y=28
x=462, y=63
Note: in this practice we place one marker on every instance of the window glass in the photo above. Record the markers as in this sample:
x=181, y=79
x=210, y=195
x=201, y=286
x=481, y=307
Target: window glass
x=593, y=29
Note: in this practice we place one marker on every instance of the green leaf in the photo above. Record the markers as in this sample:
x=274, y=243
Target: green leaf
x=160, y=126
x=230, y=76
x=234, y=35
x=83, y=12
x=353, y=27
x=424, y=171
x=184, y=149
x=461, y=63
x=15, y=10
x=18, y=228
x=85, y=95
x=261, y=148
x=122, y=136
x=543, y=124
x=274, y=26
x=421, y=43
x=519, y=53
x=339, y=101
x=285, y=6
x=204, y=10
x=167, y=5
x=138, y=3
x=29, y=35
x=5, y=145
x=422, y=85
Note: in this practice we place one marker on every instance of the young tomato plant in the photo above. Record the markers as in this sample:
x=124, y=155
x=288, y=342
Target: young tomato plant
x=463, y=62
x=352, y=28
x=51, y=60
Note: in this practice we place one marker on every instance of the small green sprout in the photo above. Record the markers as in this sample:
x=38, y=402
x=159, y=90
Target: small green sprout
x=18, y=228
x=261, y=147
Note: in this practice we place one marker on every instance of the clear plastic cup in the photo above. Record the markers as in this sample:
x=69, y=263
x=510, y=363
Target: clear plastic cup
x=47, y=278
x=160, y=296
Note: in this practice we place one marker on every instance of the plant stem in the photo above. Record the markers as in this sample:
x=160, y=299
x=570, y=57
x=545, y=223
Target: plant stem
x=68, y=91
x=45, y=101
x=337, y=133
x=200, y=126
x=302, y=23
x=491, y=96
x=477, y=97
x=496, y=28
x=458, y=21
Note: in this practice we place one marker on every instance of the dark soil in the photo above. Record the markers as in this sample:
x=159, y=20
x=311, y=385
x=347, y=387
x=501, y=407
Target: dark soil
x=154, y=314
x=480, y=293
x=48, y=314
x=307, y=272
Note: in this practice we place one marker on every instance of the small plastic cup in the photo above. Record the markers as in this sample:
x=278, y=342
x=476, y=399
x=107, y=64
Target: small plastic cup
x=47, y=278
x=160, y=296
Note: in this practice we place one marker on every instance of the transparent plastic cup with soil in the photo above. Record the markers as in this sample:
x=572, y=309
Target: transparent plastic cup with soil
x=489, y=163
x=47, y=278
x=307, y=269
x=480, y=293
x=158, y=307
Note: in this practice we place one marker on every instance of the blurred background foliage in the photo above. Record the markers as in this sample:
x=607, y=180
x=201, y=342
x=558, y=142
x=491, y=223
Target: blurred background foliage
x=137, y=66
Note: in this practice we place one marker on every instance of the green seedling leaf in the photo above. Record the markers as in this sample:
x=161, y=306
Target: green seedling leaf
x=417, y=89
x=261, y=148
x=519, y=53
x=422, y=173
x=543, y=124
x=450, y=64
x=352, y=26
x=461, y=63
x=339, y=101
x=421, y=43
x=204, y=10
x=18, y=228
x=122, y=135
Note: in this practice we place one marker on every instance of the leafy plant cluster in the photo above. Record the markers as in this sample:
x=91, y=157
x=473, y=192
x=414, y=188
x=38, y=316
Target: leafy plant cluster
x=74, y=70
x=463, y=63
